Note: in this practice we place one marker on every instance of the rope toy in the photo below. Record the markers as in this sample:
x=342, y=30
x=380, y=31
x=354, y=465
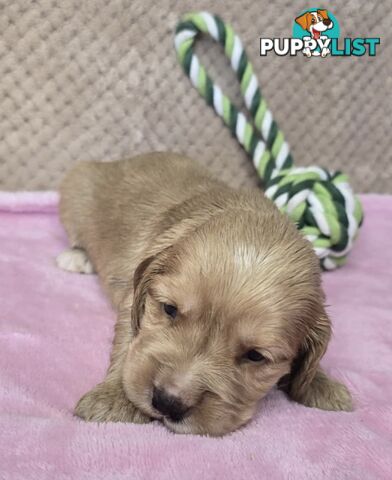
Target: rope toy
x=320, y=202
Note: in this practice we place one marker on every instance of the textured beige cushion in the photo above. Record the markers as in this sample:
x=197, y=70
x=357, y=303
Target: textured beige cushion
x=98, y=79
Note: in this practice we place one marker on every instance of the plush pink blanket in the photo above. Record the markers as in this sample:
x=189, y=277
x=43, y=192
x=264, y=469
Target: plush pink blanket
x=55, y=335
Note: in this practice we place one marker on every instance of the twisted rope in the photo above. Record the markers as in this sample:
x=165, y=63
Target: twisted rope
x=320, y=202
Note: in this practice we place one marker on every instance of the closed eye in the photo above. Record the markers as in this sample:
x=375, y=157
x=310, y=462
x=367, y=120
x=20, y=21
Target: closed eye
x=254, y=356
x=170, y=310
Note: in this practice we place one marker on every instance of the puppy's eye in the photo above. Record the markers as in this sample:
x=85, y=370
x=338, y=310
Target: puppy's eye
x=254, y=356
x=313, y=20
x=170, y=310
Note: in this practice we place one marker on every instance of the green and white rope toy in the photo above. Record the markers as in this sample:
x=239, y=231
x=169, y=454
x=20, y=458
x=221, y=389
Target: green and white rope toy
x=321, y=203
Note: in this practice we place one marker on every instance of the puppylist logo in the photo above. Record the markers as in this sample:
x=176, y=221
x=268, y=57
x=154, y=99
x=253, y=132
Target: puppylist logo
x=316, y=33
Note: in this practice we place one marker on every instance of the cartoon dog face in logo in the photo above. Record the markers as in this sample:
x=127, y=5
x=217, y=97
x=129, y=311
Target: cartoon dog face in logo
x=315, y=23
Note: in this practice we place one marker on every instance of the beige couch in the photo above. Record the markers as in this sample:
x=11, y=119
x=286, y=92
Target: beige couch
x=98, y=79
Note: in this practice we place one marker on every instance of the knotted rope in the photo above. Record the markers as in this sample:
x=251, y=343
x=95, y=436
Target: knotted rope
x=320, y=202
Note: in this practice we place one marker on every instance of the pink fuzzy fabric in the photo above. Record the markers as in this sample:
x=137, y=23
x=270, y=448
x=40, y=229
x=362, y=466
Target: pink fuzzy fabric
x=55, y=336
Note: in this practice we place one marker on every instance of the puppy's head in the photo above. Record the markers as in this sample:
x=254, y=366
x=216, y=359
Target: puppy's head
x=315, y=22
x=220, y=317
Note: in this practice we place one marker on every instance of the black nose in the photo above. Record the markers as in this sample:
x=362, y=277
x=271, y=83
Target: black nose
x=168, y=405
x=327, y=21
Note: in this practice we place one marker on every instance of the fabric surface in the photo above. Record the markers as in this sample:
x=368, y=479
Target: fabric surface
x=99, y=79
x=55, y=336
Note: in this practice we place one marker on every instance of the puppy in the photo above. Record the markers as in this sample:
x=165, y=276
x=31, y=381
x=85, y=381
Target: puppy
x=218, y=295
x=315, y=23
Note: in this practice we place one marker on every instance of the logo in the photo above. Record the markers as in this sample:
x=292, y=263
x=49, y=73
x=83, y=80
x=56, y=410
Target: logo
x=316, y=33
x=316, y=28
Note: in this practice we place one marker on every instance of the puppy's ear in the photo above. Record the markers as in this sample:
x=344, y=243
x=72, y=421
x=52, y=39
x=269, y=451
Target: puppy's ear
x=144, y=274
x=307, y=383
x=141, y=279
x=323, y=13
x=304, y=20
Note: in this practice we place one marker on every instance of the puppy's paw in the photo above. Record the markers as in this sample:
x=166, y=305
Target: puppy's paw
x=74, y=260
x=327, y=394
x=107, y=402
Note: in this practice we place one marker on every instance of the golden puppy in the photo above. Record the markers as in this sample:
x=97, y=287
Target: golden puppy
x=218, y=295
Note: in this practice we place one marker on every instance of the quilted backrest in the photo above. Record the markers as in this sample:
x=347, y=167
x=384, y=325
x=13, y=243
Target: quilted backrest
x=100, y=80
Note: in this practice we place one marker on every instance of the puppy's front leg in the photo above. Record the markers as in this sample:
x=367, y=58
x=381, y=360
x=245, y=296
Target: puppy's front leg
x=325, y=393
x=107, y=402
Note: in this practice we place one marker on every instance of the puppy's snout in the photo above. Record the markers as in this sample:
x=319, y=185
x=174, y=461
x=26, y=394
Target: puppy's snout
x=169, y=405
x=327, y=22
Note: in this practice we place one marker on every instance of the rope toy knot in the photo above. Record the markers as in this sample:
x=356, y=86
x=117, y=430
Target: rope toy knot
x=321, y=203
x=323, y=206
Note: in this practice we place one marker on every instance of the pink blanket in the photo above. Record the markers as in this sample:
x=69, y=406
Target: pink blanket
x=55, y=335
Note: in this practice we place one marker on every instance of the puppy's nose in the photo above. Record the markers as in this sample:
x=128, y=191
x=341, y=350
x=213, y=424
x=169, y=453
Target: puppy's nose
x=327, y=21
x=168, y=405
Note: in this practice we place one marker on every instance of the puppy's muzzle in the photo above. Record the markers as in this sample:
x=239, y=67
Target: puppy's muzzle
x=169, y=405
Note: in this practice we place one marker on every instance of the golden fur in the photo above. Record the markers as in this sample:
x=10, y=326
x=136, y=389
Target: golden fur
x=159, y=230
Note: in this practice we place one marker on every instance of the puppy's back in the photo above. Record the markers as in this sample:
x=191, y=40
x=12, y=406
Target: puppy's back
x=107, y=207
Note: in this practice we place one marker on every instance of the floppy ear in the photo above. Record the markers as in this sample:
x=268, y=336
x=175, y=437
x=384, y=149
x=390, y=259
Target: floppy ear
x=304, y=20
x=144, y=273
x=323, y=13
x=141, y=279
x=307, y=383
